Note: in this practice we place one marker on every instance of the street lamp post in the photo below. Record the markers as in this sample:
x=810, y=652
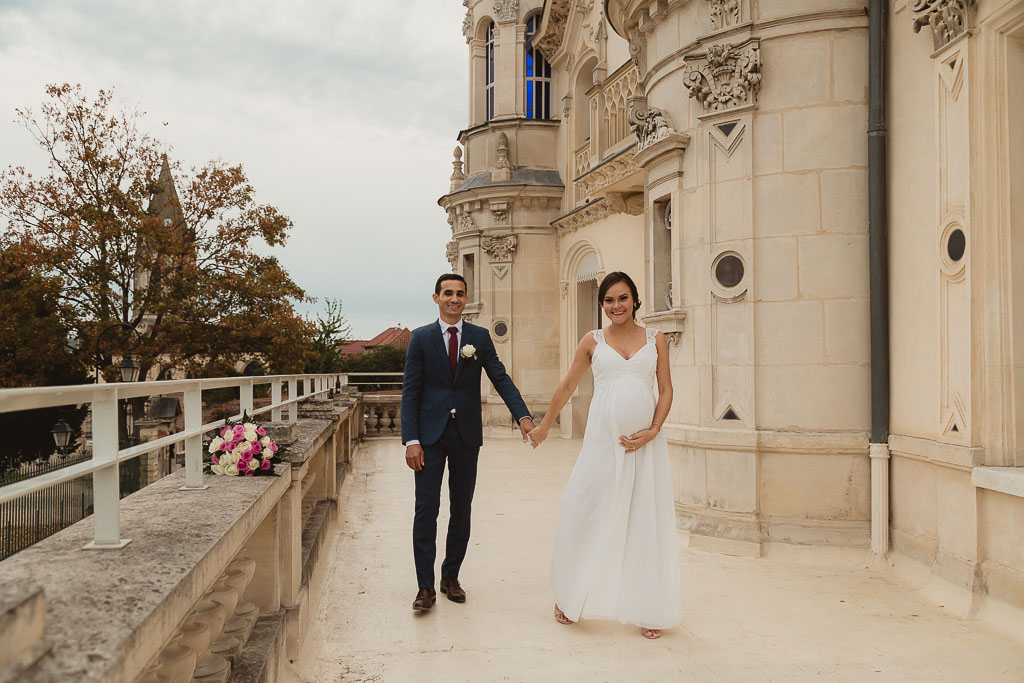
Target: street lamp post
x=128, y=367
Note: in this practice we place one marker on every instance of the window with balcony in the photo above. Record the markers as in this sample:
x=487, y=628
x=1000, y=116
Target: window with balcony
x=538, y=75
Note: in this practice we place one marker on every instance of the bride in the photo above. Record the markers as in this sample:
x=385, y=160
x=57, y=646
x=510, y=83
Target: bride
x=615, y=554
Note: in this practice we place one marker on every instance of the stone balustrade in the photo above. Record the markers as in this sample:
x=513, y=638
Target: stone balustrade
x=382, y=415
x=217, y=584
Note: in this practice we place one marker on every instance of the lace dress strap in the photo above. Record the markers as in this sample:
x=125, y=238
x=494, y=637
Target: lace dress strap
x=651, y=334
x=598, y=336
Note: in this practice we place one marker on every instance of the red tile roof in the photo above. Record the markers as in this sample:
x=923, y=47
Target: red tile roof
x=393, y=336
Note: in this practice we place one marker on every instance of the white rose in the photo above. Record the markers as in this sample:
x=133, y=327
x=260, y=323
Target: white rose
x=265, y=441
x=232, y=471
x=250, y=435
x=249, y=427
x=468, y=351
x=215, y=444
x=254, y=463
x=217, y=469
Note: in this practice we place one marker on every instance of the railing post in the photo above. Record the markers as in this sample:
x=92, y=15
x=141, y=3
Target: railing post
x=105, y=482
x=245, y=397
x=311, y=386
x=293, y=391
x=275, y=398
x=193, y=444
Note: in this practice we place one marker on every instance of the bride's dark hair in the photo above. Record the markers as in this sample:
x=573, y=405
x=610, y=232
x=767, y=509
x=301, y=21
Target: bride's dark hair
x=618, y=276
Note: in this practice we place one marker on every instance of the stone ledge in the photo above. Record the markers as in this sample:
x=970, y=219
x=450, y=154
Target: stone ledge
x=1008, y=480
x=108, y=613
x=258, y=663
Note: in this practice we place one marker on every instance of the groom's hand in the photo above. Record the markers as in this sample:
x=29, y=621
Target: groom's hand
x=526, y=426
x=414, y=457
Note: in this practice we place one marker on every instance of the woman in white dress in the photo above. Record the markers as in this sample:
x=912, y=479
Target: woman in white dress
x=616, y=553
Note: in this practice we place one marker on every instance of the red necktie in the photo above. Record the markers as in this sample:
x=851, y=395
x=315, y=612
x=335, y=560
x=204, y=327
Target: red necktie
x=453, y=347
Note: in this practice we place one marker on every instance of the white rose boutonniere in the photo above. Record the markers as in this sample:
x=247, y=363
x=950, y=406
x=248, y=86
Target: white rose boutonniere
x=469, y=351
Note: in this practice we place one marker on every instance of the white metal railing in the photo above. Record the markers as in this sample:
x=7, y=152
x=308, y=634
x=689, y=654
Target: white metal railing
x=106, y=455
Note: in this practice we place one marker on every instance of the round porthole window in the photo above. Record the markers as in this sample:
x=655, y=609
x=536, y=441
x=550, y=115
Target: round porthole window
x=729, y=271
x=500, y=329
x=956, y=245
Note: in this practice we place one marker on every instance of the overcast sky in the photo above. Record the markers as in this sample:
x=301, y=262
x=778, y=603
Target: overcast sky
x=344, y=115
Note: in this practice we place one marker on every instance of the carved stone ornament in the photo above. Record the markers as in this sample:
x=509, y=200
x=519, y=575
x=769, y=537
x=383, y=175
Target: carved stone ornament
x=502, y=167
x=467, y=26
x=506, y=10
x=457, y=174
x=464, y=222
x=451, y=252
x=500, y=211
x=607, y=173
x=563, y=288
x=723, y=13
x=649, y=124
x=500, y=248
x=554, y=29
x=726, y=77
x=947, y=18
x=584, y=215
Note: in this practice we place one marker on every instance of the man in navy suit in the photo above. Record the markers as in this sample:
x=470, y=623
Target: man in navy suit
x=441, y=421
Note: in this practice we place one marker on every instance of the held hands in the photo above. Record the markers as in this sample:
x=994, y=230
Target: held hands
x=538, y=435
x=525, y=427
x=414, y=457
x=638, y=439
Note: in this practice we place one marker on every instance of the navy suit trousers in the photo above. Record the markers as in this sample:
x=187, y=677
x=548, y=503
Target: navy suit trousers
x=462, y=461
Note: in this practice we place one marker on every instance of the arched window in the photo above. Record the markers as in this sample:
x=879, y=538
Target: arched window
x=489, y=78
x=538, y=75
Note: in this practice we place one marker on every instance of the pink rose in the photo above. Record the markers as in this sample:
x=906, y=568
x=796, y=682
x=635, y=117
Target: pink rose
x=238, y=430
x=245, y=456
x=261, y=431
x=256, y=447
x=273, y=447
x=249, y=473
x=226, y=446
x=265, y=465
x=214, y=460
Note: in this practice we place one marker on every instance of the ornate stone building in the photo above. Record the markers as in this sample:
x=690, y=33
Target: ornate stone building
x=718, y=151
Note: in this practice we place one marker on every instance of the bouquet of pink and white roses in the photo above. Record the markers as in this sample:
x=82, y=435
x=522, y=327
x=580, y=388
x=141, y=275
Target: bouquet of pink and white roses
x=243, y=449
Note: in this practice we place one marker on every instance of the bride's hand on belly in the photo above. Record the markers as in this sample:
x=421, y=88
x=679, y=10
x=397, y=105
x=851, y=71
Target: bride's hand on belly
x=637, y=439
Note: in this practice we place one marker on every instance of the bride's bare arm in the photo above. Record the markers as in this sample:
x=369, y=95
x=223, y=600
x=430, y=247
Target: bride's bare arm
x=580, y=363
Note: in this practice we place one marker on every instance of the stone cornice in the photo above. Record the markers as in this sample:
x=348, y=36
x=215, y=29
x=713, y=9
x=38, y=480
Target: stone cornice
x=599, y=208
x=608, y=172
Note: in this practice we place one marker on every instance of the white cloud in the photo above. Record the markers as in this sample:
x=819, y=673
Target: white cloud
x=344, y=114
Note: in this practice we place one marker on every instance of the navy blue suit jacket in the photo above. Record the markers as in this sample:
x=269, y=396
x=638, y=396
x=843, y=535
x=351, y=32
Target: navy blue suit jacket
x=429, y=390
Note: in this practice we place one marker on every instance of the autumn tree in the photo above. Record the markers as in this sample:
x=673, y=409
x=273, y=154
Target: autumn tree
x=137, y=239
x=331, y=330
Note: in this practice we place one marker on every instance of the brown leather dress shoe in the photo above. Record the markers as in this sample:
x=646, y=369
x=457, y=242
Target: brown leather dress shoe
x=425, y=599
x=453, y=590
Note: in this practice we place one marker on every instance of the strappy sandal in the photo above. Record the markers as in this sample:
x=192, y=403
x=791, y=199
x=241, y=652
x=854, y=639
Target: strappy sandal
x=650, y=633
x=561, y=618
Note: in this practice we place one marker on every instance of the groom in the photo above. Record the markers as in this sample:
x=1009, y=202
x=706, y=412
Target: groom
x=441, y=422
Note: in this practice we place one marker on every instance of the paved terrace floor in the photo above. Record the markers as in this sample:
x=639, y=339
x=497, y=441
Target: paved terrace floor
x=812, y=614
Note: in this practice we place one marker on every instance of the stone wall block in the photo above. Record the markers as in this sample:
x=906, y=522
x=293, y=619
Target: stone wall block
x=786, y=204
x=790, y=333
x=821, y=137
x=847, y=331
x=732, y=481
x=834, y=266
x=805, y=59
x=775, y=274
x=844, y=205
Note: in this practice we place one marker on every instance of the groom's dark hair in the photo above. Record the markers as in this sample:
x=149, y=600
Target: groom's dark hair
x=449, y=276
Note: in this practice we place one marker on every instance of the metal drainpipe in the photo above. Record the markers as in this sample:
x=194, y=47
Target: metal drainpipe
x=879, y=285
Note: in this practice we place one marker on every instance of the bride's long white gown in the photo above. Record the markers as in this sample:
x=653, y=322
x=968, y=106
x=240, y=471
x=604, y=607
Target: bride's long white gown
x=616, y=549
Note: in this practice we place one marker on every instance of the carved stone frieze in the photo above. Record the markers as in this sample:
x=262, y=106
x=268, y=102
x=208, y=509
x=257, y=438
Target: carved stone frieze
x=463, y=222
x=500, y=211
x=727, y=76
x=947, y=18
x=723, y=13
x=451, y=252
x=467, y=26
x=506, y=10
x=500, y=248
x=608, y=173
x=649, y=124
x=553, y=31
x=633, y=204
x=585, y=215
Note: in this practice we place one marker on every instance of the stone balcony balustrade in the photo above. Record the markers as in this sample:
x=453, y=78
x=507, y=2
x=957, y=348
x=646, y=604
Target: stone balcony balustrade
x=195, y=577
